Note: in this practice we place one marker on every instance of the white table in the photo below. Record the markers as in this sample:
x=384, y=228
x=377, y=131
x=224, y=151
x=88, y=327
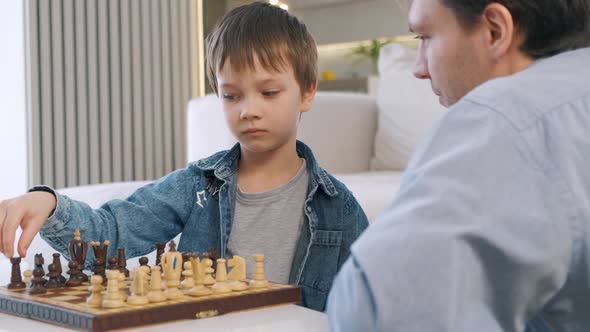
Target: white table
x=278, y=318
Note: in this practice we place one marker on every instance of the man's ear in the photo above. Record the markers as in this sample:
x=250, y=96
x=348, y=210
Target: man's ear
x=307, y=97
x=499, y=24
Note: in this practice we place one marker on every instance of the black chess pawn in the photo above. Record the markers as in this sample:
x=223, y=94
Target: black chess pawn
x=57, y=263
x=160, y=248
x=74, y=273
x=38, y=282
x=143, y=261
x=99, y=269
x=122, y=261
x=16, y=280
x=39, y=261
x=54, y=275
x=113, y=263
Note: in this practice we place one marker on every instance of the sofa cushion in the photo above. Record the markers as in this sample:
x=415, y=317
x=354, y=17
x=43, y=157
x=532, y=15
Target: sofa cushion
x=373, y=190
x=407, y=108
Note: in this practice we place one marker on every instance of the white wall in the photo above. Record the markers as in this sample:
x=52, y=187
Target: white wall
x=355, y=20
x=13, y=138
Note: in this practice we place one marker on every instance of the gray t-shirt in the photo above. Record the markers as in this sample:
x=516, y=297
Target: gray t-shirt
x=269, y=223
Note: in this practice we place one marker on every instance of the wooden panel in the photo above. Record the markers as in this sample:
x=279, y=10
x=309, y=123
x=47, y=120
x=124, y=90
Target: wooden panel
x=93, y=96
x=83, y=147
x=115, y=89
x=104, y=101
x=138, y=96
x=71, y=162
x=46, y=125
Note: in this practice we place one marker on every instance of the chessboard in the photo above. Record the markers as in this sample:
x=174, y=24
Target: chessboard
x=67, y=306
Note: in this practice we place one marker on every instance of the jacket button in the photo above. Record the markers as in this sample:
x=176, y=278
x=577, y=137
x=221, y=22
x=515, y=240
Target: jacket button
x=308, y=209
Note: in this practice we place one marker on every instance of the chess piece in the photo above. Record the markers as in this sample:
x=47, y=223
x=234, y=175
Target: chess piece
x=95, y=298
x=160, y=247
x=38, y=282
x=213, y=255
x=100, y=253
x=208, y=279
x=113, y=263
x=122, y=285
x=143, y=261
x=16, y=280
x=258, y=279
x=221, y=285
x=237, y=273
x=99, y=270
x=113, y=294
x=155, y=294
x=74, y=273
x=27, y=274
x=138, y=288
x=78, y=251
x=57, y=263
x=53, y=274
x=199, y=289
x=172, y=266
x=188, y=281
x=123, y=262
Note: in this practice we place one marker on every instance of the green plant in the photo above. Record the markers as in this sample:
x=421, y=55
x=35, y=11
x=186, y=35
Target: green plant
x=371, y=51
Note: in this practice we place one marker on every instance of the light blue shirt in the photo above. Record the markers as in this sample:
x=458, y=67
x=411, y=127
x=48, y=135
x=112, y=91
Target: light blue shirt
x=491, y=227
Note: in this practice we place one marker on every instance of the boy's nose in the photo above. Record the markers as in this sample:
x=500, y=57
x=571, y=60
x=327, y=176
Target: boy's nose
x=249, y=111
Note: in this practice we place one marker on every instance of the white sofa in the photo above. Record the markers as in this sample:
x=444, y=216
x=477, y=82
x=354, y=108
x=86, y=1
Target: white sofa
x=364, y=141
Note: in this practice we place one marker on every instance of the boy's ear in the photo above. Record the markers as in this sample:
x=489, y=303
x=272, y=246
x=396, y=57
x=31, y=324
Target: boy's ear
x=307, y=97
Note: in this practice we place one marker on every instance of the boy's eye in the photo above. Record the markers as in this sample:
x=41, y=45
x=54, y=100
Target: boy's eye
x=228, y=96
x=270, y=93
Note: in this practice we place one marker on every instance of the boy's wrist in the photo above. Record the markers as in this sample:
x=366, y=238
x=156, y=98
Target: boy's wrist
x=49, y=190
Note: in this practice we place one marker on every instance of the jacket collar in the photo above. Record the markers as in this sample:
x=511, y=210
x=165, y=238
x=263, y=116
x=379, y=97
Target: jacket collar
x=223, y=165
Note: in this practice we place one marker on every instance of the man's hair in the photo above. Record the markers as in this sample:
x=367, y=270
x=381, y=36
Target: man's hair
x=277, y=38
x=549, y=26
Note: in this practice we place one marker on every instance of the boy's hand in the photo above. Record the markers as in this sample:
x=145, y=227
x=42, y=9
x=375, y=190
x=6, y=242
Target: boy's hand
x=29, y=211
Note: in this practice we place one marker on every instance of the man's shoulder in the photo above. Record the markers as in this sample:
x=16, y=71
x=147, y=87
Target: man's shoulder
x=527, y=96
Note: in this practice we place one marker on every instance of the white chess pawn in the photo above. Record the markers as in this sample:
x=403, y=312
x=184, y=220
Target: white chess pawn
x=27, y=274
x=221, y=285
x=258, y=279
x=138, y=289
x=146, y=271
x=122, y=286
x=155, y=294
x=198, y=274
x=189, y=281
x=113, y=296
x=95, y=298
x=208, y=272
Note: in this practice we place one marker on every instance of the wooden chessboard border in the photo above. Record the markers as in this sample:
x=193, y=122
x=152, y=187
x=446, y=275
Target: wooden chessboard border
x=166, y=312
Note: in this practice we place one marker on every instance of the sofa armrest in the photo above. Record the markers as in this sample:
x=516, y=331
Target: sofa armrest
x=340, y=129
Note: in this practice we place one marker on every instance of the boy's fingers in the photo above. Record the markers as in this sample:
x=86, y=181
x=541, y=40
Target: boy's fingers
x=27, y=236
x=11, y=221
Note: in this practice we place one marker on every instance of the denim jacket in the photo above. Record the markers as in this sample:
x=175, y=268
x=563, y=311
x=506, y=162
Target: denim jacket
x=199, y=201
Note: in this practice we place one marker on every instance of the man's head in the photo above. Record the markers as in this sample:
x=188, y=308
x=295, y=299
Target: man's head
x=465, y=43
x=269, y=33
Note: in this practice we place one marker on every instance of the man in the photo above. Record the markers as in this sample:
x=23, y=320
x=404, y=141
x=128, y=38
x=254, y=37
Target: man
x=491, y=228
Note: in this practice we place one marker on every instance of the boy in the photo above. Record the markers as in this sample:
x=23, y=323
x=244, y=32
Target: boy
x=266, y=195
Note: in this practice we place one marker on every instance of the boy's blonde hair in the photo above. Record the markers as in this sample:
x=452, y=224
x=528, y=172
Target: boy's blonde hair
x=277, y=38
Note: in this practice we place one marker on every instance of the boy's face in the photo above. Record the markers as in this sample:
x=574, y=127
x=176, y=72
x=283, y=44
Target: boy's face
x=262, y=108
